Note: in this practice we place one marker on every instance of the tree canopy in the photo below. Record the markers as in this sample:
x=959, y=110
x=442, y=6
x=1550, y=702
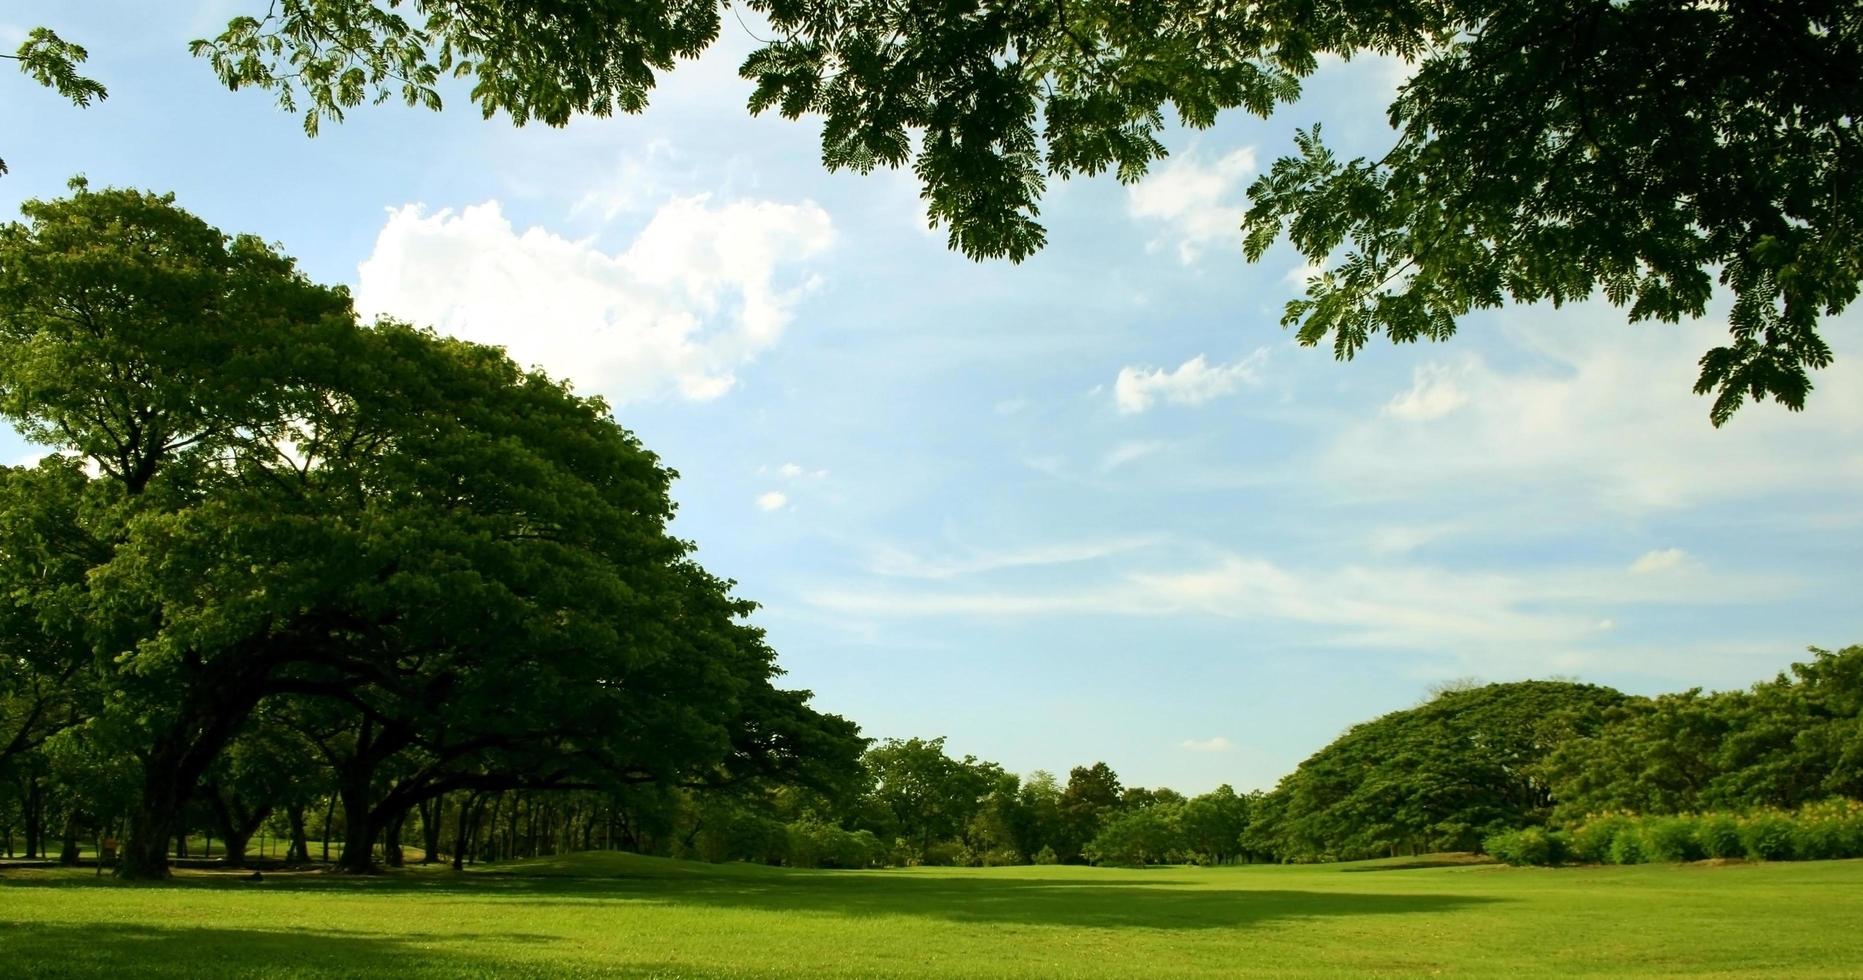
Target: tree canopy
x=1543, y=151
x=444, y=572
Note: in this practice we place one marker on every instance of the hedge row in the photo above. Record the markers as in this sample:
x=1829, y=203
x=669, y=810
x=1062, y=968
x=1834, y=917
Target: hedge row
x=1820, y=831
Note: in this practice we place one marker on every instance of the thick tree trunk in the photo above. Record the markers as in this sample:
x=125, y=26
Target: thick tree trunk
x=145, y=851
x=68, y=849
x=392, y=854
x=462, y=823
x=430, y=816
x=32, y=809
x=359, y=833
x=299, y=851
x=236, y=842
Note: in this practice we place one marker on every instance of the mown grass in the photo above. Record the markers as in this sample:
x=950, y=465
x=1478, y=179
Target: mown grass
x=613, y=914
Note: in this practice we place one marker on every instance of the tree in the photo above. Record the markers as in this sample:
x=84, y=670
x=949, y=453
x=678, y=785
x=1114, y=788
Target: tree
x=1092, y=794
x=290, y=504
x=930, y=796
x=1439, y=776
x=1783, y=743
x=1544, y=151
x=1150, y=834
x=1213, y=823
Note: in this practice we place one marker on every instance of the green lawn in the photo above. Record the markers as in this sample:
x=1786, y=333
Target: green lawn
x=610, y=914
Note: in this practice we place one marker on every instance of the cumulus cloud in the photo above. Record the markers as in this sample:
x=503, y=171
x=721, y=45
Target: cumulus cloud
x=695, y=296
x=772, y=500
x=1217, y=744
x=1433, y=393
x=1192, y=382
x=1199, y=202
x=1661, y=560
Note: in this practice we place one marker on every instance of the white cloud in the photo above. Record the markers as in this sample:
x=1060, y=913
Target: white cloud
x=1217, y=744
x=1402, y=539
x=1598, y=414
x=635, y=182
x=1199, y=202
x=1662, y=560
x=1127, y=452
x=1011, y=406
x=693, y=298
x=772, y=500
x=1478, y=614
x=1298, y=275
x=1192, y=382
x=904, y=564
x=1433, y=393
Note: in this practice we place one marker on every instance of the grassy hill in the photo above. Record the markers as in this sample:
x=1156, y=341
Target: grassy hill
x=618, y=914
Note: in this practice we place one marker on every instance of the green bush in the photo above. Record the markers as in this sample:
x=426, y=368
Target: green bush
x=1047, y=856
x=1768, y=836
x=1830, y=829
x=1627, y=846
x=1719, y=834
x=1529, y=846
x=1591, y=841
x=1671, y=839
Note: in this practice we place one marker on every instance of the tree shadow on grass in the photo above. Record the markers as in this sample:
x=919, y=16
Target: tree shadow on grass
x=1075, y=901
x=1069, y=903
x=34, y=949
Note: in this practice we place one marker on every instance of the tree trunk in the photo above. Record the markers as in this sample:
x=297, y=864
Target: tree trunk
x=299, y=851
x=359, y=833
x=329, y=817
x=68, y=849
x=236, y=840
x=392, y=854
x=32, y=809
x=151, y=826
x=431, y=813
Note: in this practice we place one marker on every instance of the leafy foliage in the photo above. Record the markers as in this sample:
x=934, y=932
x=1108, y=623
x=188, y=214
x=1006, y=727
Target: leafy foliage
x=1543, y=151
x=53, y=62
x=456, y=574
x=1440, y=776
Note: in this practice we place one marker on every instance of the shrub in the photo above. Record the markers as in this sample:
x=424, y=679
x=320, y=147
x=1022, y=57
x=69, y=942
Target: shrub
x=1719, y=834
x=946, y=854
x=1768, y=836
x=1830, y=829
x=1591, y=842
x=1627, y=846
x=1529, y=846
x=1047, y=856
x=1671, y=839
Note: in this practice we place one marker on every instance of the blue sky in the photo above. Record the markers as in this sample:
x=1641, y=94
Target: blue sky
x=1093, y=507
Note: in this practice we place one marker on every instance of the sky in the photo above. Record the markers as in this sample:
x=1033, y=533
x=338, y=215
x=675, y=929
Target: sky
x=1095, y=506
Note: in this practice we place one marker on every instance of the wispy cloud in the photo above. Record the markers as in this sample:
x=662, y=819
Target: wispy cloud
x=899, y=563
x=1216, y=744
x=1128, y=452
x=772, y=501
x=1518, y=612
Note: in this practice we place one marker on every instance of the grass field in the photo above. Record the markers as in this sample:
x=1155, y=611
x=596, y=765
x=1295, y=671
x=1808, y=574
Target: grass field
x=612, y=914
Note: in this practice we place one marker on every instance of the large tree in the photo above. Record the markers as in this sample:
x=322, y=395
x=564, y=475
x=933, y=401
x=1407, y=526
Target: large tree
x=469, y=557
x=1544, y=150
x=1440, y=776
